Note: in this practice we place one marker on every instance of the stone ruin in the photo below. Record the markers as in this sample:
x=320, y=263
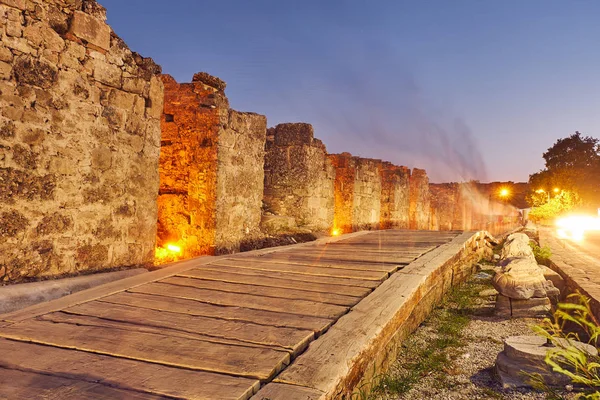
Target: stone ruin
x=521, y=283
x=299, y=177
x=395, y=196
x=95, y=172
x=211, y=169
x=420, y=200
x=79, y=142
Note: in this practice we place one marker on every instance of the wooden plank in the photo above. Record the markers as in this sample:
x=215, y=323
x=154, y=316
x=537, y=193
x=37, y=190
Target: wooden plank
x=286, y=275
x=304, y=269
x=301, y=307
x=265, y=291
x=272, y=279
x=85, y=320
x=353, y=261
x=29, y=385
x=373, y=251
x=122, y=373
x=378, y=248
x=347, y=259
x=251, y=362
x=219, y=328
x=193, y=307
x=104, y=290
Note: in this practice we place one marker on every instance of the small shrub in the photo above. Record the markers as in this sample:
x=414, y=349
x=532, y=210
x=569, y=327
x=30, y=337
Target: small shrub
x=542, y=254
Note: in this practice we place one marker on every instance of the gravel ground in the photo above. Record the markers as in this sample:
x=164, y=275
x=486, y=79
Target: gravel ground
x=470, y=373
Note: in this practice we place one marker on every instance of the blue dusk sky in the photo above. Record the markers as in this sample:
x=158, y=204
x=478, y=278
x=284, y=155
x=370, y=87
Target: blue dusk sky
x=467, y=89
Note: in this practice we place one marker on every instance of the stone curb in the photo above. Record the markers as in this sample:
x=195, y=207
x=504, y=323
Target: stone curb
x=18, y=296
x=366, y=340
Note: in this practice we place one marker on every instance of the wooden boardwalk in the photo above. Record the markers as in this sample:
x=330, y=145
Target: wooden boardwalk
x=210, y=328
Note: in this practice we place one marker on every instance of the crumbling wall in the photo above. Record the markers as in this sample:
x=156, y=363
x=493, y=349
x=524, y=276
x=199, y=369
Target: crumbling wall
x=299, y=177
x=211, y=170
x=79, y=142
x=447, y=207
x=420, y=207
x=367, y=194
x=345, y=179
x=395, y=202
x=240, y=179
x=194, y=113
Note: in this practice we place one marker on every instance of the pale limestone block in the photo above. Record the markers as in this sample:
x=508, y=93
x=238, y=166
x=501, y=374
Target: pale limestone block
x=20, y=4
x=134, y=85
x=19, y=44
x=91, y=29
x=5, y=70
x=122, y=99
x=156, y=98
x=14, y=28
x=107, y=74
x=5, y=54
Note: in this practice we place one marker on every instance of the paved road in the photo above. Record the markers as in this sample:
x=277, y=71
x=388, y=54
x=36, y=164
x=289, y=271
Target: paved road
x=210, y=328
x=589, y=247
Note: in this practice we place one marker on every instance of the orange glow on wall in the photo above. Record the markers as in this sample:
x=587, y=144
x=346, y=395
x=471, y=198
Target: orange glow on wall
x=170, y=253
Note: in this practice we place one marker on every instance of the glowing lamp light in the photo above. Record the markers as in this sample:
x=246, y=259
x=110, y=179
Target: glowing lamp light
x=556, y=190
x=173, y=248
x=574, y=227
x=336, y=232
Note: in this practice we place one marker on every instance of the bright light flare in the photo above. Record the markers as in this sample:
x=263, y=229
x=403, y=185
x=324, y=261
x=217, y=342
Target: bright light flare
x=574, y=227
x=169, y=253
x=336, y=232
x=504, y=192
x=173, y=248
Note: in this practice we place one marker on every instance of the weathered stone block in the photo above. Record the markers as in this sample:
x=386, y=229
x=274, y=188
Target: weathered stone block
x=35, y=72
x=5, y=70
x=18, y=44
x=20, y=4
x=5, y=54
x=293, y=134
x=91, y=29
x=108, y=74
x=209, y=80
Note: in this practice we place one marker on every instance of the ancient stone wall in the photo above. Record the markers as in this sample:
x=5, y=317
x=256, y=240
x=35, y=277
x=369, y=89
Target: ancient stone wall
x=452, y=207
x=419, y=208
x=79, y=142
x=367, y=194
x=299, y=177
x=345, y=179
x=395, y=202
x=211, y=170
x=193, y=116
x=240, y=180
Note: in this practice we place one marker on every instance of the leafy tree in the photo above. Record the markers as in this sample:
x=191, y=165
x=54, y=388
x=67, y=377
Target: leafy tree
x=560, y=204
x=572, y=164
